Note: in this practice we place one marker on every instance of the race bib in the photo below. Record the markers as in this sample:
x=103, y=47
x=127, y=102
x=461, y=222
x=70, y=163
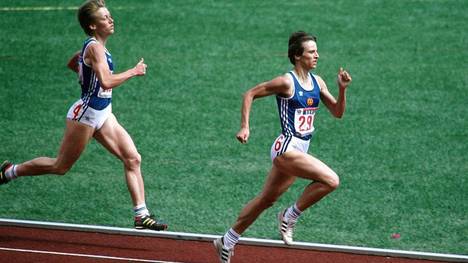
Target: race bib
x=304, y=120
x=105, y=93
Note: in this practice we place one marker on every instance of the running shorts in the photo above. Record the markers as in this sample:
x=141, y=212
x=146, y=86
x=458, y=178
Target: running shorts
x=87, y=115
x=284, y=144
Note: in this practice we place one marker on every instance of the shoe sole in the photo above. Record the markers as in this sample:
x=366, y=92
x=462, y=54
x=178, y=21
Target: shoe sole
x=143, y=228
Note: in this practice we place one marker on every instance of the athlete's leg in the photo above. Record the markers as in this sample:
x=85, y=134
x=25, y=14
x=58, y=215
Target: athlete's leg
x=276, y=184
x=117, y=141
x=308, y=167
x=74, y=141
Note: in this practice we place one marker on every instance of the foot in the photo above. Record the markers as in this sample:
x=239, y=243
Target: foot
x=5, y=165
x=224, y=254
x=149, y=222
x=286, y=228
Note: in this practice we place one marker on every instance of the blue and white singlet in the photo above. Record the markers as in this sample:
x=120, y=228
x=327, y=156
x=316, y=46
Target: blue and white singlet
x=297, y=112
x=92, y=94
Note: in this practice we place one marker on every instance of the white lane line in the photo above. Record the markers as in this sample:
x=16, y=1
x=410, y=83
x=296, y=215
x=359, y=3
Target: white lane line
x=48, y=8
x=82, y=255
x=38, y=8
x=243, y=240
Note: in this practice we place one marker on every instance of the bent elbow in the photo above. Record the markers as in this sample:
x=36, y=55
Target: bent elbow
x=105, y=85
x=248, y=95
x=73, y=67
x=339, y=115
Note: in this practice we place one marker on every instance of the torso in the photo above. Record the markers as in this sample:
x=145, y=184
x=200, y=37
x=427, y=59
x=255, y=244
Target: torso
x=92, y=94
x=297, y=112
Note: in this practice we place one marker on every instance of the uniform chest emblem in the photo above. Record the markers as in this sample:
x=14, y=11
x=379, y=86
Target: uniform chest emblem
x=301, y=93
x=310, y=101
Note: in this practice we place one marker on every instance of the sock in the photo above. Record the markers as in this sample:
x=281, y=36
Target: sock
x=10, y=173
x=141, y=210
x=293, y=213
x=230, y=239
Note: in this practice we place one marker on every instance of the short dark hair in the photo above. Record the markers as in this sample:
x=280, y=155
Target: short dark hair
x=86, y=14
x=295, y=47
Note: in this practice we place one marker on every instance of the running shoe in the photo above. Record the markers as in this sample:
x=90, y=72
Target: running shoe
x=286, y=228
x=149, y=222
x=5, y=165
x=224, y=254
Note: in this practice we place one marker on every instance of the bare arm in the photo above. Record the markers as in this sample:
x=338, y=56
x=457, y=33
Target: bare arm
x=336, y=107
x=280, y=86
x=73, y=62
x=95, y=55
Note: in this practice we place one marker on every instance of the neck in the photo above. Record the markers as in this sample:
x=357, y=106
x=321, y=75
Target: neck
x=302, y=73
x=101, y=39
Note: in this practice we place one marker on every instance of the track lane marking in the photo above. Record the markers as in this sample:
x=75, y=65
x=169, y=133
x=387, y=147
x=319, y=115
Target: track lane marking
x=243, y=240
x=81, y=255
x=47, y=8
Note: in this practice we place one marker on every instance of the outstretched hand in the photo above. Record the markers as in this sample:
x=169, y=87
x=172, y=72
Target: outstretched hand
x=344, y=78
x=140, y=68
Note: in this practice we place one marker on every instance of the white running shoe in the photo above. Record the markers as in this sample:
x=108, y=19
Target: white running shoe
x=224, y=254
x=285, y=228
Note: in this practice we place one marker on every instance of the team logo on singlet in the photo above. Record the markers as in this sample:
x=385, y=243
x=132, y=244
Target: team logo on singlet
x=310, y=101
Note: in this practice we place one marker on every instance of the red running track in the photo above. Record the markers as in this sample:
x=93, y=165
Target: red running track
x=28, y=244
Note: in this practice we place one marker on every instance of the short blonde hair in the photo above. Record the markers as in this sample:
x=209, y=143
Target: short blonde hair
x=86, y=14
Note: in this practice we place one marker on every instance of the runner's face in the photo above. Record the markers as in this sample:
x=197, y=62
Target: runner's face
x=310, y=56
x=103, y=24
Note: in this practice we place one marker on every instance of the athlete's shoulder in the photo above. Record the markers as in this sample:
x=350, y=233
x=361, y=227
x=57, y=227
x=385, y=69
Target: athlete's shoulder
x=94, y=44
x=284, y=82
x=282, y=85
x=287, y=79
x=89, y=41
x=95, y=48
x=92, y=51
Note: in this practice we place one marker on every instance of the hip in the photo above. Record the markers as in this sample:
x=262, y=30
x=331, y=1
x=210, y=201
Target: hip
x=286, y=143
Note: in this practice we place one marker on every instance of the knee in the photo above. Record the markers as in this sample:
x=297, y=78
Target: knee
x=282, y=161
x=61, y=169
x=133, y=161
x=333, y=181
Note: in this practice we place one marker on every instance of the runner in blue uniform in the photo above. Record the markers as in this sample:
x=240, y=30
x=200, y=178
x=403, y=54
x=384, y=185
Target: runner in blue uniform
x=91, y=116
x=298, y=94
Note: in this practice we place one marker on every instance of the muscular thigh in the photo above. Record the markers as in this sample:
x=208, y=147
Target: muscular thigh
x=74, y=141
x=305, y=166
x=116, y=139
x=276, y=183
